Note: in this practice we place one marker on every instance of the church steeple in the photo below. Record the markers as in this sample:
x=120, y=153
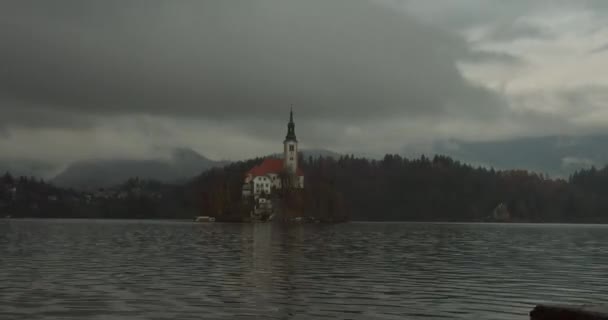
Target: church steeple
x=291, y=128
x=290, y=147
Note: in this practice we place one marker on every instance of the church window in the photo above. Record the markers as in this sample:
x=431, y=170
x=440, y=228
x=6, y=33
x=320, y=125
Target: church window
x=291, y=147
x=290, y=158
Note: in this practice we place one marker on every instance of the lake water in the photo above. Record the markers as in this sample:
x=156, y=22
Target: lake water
x=92, y=269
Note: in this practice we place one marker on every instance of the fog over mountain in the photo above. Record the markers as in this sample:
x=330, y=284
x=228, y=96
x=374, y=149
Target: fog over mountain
x=181, y=165
x=89, y=174
x=557, y=156
x=29, y=168
x=314, y=153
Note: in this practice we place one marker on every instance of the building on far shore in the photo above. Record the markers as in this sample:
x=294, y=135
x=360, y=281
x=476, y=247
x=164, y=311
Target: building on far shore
x=275, y=173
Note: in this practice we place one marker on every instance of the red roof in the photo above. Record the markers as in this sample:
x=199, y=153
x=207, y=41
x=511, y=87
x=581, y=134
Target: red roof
x=270, y=165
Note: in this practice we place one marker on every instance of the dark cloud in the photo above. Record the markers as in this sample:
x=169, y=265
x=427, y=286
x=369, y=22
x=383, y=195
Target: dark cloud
x=600, y=49
x=36, y=116
x=494, y=57
x=518, y=30
x=4, y=133
x=122, y=77
x=504, y=16
x=585, y=97
x=342, y=60
x=463, y=14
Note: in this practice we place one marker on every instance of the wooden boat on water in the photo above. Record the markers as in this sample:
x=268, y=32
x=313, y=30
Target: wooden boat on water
x=204, y=219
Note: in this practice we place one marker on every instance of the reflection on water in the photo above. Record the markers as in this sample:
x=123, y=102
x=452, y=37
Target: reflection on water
x=76, y=269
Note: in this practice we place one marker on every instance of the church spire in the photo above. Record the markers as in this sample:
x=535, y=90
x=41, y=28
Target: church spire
x=291, y=127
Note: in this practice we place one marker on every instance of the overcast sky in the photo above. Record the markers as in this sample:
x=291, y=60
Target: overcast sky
x=125, y=78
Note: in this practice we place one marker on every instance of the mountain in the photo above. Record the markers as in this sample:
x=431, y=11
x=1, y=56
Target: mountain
x=315, y=153
x=558, y=156
x=28, y=168
x=181, y=165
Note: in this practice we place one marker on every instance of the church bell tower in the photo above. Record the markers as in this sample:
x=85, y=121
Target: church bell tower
x=290, y=147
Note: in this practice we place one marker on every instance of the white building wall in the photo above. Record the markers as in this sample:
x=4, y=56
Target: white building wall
x=275, y=179
x=267, y=184
x=261, y=184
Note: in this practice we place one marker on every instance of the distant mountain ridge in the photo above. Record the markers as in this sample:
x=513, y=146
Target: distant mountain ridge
x=558, y=156
x=315, y=153
x=28, y=168
x=183, y=164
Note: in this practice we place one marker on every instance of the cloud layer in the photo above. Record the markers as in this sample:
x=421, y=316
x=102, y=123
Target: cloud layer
x=123, y=78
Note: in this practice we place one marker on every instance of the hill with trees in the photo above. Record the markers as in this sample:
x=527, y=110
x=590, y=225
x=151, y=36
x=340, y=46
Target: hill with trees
x=348, y=188
x=423, y=189
x=181, y=165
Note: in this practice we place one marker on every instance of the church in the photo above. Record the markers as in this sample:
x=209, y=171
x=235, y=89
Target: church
x=275, y=173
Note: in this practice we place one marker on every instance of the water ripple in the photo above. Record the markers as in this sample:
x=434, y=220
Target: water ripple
x=87, y=269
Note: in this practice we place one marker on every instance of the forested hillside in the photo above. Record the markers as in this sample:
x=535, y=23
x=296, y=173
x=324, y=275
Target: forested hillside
x=394, y=188
x=425, y=189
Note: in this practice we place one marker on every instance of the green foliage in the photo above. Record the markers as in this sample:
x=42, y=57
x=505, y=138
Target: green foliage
x=218, y=192
x=441, y=189
x=348, y=188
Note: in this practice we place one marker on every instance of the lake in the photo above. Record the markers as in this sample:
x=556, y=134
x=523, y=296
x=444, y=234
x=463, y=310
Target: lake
x=96, y=269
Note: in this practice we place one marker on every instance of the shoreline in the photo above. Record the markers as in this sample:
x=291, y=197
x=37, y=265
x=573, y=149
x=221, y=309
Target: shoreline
x=322, y=223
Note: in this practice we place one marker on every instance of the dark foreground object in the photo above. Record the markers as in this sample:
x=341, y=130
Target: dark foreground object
x=557, y=312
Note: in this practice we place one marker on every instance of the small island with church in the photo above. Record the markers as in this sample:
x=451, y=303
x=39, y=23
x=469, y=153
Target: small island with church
x=269, y=186
x=272, y=189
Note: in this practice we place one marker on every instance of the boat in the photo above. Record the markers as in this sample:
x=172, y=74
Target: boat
x=304, y=219
x=204, y=219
